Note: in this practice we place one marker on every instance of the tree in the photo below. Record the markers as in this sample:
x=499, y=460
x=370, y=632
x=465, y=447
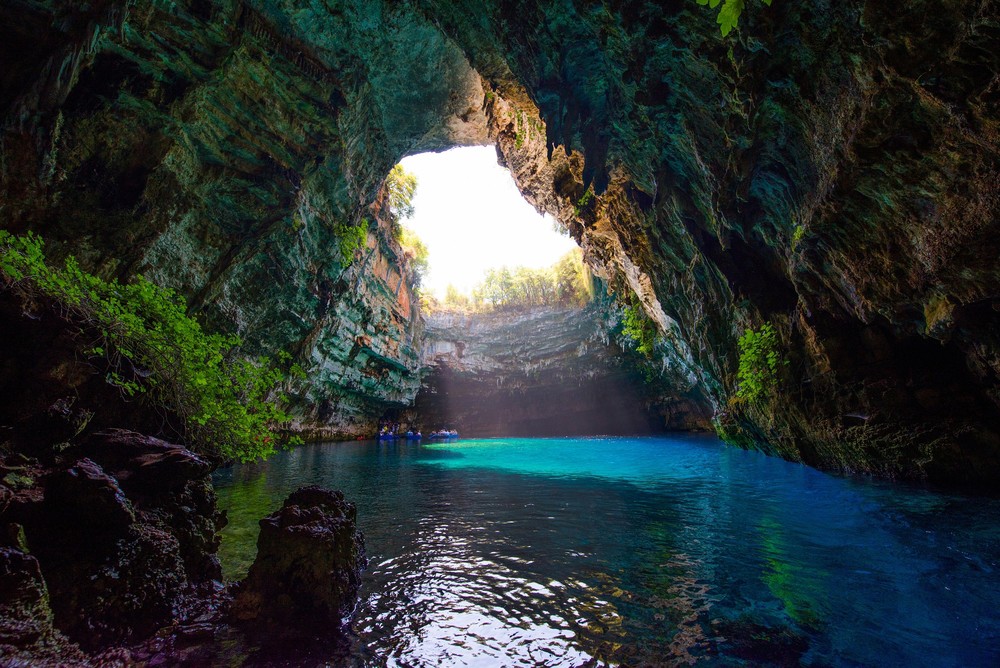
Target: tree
x=572, y=279
x=453, y=299
x=567, y=281
x=416, y=250
x=400, y=187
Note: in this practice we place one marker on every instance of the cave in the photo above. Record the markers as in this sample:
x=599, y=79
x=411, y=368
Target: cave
x=790, y=214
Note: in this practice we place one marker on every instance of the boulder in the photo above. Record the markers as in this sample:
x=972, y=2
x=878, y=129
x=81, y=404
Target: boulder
x=114, y=569
x=27, y=635
x=310, y=555
x=143, y=465
x=25, y=616
x=87, y=499
x=170, y=485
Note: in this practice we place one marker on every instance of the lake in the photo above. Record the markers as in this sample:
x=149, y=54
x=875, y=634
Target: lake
x=658, y=550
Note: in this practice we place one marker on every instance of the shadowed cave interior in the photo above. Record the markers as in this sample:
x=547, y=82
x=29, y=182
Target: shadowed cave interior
x=792, y=233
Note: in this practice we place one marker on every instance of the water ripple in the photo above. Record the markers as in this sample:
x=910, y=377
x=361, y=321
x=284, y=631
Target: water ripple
x=642, y=552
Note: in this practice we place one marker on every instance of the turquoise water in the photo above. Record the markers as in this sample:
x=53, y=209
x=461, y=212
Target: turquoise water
x=641, y=551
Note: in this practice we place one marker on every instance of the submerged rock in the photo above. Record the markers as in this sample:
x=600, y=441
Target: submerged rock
x=760, y=644
x=310, y=555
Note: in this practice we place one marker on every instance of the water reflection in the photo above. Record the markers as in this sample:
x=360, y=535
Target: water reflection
x=637, y=551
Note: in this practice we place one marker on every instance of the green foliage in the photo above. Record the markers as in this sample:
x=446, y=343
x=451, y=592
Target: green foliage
x=760, y=360
x=797, y=235
x=729, y=13
x=568, y=281
x=573, y=280
x=416, y=250
x=400, y=187
x=565, y=282
x=455, y=300
x=584, y=200
x=155, y=350
x=351, y=238
x=638, y=327
x=520, y=130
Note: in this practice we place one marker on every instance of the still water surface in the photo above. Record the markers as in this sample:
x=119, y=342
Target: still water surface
x=641, y=551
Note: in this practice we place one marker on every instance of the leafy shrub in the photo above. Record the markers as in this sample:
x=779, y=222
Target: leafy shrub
x=351, y=239
x=638, y=327
x=583, y=202
x=415, y=249
x=729, y=13
x=798, y=234
x=760, y=360
x=153, y=349
x=400, y=187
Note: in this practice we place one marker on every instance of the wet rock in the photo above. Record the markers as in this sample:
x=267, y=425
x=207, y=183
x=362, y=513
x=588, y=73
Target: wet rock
x=27, y=634
x=6, y=496
x=170, y=486
x=124, y=596
x=114, y=576
x=87, y=499
x=119, y=568
x=543, y=371
x=193, y=518
x=308, y=567
x=25, y=616
x=146, y=466
x=56, y=425
x=761, y=645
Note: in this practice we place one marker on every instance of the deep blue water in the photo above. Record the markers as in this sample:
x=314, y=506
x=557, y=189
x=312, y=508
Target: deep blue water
x=641, y=551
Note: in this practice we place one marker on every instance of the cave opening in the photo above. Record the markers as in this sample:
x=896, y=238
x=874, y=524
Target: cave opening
x=470, y=216
x=517, y=331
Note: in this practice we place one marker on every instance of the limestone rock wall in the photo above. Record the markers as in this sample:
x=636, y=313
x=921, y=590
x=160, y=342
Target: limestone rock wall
x=221, y=149
x=829, y=168
x=544, y=371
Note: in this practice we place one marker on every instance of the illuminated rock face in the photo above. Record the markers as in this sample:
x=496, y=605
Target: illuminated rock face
x=543, y=371
x=830, y=168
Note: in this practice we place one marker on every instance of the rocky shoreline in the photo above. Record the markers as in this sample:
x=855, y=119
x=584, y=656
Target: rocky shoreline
x=111, y=559
x=109, y=537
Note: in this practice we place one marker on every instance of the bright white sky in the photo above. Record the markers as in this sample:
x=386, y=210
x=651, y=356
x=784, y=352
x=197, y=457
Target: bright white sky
x=472, y=218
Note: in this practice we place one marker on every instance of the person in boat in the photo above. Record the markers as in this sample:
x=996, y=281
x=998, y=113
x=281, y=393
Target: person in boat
x=417, y=436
